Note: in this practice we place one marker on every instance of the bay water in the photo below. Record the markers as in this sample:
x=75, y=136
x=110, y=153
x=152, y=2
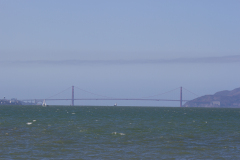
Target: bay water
x=103, y=132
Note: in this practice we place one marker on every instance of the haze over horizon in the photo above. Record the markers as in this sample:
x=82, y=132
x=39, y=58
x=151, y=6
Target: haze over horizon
x=118, y=48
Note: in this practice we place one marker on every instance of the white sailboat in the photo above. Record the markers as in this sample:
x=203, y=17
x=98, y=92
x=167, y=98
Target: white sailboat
x=44, y=103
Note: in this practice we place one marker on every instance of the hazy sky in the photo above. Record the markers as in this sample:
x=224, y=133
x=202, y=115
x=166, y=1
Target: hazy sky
x=120, y=49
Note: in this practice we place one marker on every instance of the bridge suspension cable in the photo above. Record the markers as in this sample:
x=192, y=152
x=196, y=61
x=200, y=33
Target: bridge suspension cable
x=190, y=91
x=58, y=93
x=114, y=97
x=161, y=93
x=93, y=93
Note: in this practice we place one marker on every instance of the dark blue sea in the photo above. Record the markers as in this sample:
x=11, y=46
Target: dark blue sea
x=88, y=132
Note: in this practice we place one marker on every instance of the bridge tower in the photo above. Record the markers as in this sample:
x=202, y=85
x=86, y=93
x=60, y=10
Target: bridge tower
x=72, y=95
x=180, y=96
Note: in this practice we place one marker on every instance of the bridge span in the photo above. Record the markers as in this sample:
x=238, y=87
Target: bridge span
x=36, y=101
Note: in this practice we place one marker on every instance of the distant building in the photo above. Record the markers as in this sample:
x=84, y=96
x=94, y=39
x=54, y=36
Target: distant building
x=215, y=103
x=13, y=101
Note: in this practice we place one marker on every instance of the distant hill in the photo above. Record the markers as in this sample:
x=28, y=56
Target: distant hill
x=223, y=99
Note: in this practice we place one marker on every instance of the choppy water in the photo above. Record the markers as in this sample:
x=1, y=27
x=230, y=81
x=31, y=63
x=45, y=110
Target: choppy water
x=64, y=132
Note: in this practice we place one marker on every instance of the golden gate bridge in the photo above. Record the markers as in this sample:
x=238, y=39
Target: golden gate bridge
x=106, y=98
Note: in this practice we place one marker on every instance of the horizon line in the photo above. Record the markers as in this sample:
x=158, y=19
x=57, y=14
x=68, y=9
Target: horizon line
x=219, y=59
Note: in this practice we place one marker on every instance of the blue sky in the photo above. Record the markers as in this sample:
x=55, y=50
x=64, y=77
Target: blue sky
x=118, y=48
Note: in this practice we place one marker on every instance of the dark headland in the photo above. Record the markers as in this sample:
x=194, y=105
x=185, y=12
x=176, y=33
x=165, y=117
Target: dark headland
x=222, y=99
